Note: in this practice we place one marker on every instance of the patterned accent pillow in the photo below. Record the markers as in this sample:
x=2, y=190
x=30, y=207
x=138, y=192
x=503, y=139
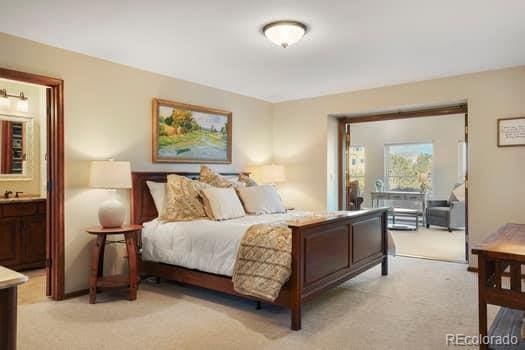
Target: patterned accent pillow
x=183, y=202
x=247, y=180
x=210, y=177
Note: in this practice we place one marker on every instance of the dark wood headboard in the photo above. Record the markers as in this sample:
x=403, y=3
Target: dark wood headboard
x=142, y=205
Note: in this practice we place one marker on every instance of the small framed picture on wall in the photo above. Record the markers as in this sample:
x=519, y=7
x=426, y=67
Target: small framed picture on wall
x=511, y=132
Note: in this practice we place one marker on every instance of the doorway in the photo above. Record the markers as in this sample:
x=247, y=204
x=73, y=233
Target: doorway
x=414, y=162
x=53, y=111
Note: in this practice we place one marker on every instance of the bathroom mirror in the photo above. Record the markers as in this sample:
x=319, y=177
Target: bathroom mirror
x=16, y=145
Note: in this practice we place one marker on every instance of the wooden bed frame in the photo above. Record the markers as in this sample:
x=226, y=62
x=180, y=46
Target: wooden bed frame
x=325, y=251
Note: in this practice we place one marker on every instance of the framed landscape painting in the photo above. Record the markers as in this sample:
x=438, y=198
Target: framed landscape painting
x=185, y=133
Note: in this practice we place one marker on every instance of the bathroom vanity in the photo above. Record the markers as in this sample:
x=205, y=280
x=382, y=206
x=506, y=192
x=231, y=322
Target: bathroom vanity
x=23, y=233
x=22, y=214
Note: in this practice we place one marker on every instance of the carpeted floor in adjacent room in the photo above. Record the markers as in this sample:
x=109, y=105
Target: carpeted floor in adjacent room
x=433, y=243
x=412, y=308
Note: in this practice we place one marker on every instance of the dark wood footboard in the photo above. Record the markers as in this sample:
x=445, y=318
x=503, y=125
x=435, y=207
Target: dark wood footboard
x=328, y=251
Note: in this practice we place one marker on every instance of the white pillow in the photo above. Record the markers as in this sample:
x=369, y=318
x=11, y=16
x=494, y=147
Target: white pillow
x=262, y=199
x=158, y=192
x=459, y=192
x=222, y=203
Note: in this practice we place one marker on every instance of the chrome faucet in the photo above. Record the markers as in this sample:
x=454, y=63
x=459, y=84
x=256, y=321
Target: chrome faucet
x=17, y=194
x=7, y=194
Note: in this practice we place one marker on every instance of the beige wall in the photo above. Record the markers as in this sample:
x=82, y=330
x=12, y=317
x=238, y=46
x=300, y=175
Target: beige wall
x=108, y=114
x=35, y=95
x=496, y=191
x=443, y=132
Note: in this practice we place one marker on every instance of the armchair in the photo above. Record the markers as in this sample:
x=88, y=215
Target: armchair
x=446, y=213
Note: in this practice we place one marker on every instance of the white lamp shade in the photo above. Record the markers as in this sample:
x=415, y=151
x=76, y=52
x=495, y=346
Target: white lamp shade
x=5, y=103
x=273, y=173
x=22, y=106
x=110, y=174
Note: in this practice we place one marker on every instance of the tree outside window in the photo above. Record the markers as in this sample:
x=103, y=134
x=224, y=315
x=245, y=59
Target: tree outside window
x=408, y=167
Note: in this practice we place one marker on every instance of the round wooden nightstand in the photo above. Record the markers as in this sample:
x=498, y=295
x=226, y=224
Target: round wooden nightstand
x=96, y=276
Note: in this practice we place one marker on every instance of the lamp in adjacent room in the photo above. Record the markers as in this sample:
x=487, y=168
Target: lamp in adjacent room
x=112, y=175
x=272, y=174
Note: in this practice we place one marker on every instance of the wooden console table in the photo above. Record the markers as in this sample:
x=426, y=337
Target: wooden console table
x=505, y=249
x=401, y=196
x=9, y=281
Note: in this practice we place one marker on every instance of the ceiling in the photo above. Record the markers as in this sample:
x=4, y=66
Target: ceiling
x=351, y=44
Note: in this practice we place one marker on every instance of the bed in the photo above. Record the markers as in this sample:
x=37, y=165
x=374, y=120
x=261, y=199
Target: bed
x=327, y=250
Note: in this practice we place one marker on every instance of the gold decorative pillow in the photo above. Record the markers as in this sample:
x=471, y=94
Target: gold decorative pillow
x=183, y=202
x=247, y=180
x=210, y=177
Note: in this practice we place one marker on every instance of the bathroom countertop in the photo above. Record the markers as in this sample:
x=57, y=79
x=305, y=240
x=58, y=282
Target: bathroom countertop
x=21, y=199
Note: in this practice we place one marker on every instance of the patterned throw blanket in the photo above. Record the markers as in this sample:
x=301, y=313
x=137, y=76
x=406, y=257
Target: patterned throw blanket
x=264, y=261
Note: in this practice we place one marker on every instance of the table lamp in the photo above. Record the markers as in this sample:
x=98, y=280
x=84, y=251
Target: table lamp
x=112, y=175
x=272, y=174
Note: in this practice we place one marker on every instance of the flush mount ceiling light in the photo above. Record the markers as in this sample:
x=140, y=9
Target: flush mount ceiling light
x=284, y=33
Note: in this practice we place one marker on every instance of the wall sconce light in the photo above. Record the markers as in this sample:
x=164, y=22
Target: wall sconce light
x=4, y=100
x=23, y=104
x=5, y=103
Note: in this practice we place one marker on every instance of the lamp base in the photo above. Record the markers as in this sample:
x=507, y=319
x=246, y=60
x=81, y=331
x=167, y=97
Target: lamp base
x=111, y=214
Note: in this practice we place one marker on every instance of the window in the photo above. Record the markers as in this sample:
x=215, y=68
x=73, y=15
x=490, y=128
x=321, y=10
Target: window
x=357, y=165
x=408, y=166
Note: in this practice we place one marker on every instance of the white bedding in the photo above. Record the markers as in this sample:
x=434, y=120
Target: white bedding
x=204, y=245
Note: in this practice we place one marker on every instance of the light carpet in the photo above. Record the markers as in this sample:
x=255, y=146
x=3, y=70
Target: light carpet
x=433, y=243
x=412, y=308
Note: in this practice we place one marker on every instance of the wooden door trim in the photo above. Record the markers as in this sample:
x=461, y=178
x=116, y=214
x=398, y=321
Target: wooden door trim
x=421, y=113
x=55, y=172
x=425, y=112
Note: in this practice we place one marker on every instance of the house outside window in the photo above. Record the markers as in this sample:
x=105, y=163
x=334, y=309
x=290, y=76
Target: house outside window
x=357, y=165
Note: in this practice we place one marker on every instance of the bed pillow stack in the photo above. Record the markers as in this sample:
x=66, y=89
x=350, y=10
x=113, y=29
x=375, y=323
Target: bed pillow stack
x=222, y=203
x=210, y=177
x=183, y=201
x=215, y=197
x=262, y=199
x=158, y=193
x=256, y=199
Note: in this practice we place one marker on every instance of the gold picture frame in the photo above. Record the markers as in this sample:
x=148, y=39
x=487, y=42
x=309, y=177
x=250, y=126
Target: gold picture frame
x=184, y=133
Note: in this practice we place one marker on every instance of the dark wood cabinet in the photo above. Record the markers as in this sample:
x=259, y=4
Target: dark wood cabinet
x=8, y=241
x=23, y=234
